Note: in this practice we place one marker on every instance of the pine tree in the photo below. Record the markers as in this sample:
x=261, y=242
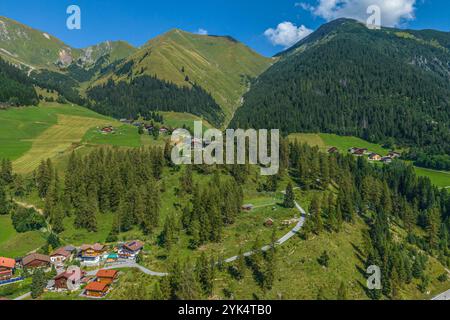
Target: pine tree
x=4, y=202
x=38, y=284
x=289, y=197
x=205, y=274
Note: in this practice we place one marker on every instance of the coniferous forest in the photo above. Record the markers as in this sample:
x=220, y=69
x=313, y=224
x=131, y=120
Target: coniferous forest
x=349, y=80
x=145, y=93
x=15, y=87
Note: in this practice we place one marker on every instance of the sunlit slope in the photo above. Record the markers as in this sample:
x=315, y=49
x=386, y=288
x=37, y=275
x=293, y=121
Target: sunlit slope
x=221, y=65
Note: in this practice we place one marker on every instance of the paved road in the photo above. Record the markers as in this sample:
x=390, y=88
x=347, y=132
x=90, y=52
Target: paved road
x=24, y=296
x=283, y=239
x=128, y=265
x=443, y=296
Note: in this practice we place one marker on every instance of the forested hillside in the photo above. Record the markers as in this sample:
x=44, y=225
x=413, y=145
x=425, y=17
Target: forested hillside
x=222, y=66
x=350, y=80
x=15, y=87
x=145, y=93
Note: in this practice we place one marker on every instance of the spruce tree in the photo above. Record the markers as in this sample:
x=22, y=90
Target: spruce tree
x=289, y=197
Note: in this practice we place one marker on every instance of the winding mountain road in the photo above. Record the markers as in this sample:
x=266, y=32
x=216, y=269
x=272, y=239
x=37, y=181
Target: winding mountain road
x=281, y=241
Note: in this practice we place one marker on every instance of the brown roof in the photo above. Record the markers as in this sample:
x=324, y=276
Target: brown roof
x=35, y=256
x=61, y=252
x=106, y=274
x=96, y=247
x=96, y=286
x=7, y=262
x=66, y=275
x=134, y=245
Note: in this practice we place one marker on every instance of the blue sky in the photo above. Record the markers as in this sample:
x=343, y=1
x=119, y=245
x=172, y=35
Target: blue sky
x=137, y=21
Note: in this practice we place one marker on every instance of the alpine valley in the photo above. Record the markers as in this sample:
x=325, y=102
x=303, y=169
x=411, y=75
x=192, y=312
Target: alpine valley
x=87, y=182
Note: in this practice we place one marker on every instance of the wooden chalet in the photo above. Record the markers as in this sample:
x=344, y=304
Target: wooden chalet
x=36, y=260
x=7, y=267
x=94, y=250
x=60, y=256
x=63, y=279
x=107, y=276
x=131, y=249
x=96, y=289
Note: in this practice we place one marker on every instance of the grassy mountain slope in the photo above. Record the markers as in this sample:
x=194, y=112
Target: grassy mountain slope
x=32, y=48
x=220, y=65
x=115, y=50
x=349, y=80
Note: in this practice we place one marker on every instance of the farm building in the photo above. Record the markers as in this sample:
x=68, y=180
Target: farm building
x=333, y=150
x=386, y=160
x=7, y=267
x=36, y=260
x=108, y=129
x=374, y=157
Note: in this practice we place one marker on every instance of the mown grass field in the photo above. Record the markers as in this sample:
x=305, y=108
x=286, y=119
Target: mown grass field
x=178, y=120
x=31, y=134
x=324, y=141
x=124, y=136
x=13, y=244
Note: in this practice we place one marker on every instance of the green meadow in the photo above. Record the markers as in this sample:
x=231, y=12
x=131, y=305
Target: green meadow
x=20, y=126
x=13, y=244
x=324, y=141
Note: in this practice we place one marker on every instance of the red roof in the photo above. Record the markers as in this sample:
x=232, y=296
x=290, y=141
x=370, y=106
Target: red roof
x=96, y=286
x=106, y=274
x=7, y=262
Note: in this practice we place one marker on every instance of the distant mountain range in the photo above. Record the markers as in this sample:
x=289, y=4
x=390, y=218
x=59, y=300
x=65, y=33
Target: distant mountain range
x=387, y=86
x=221, y=66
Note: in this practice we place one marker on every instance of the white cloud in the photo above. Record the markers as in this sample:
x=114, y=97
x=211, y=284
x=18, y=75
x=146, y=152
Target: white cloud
x=202, y=32
x=393, y=12
x=287, y=34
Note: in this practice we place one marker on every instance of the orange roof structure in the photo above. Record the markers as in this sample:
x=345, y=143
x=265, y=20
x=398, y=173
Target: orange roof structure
x=106, y=274
x=96, y=286
x=7, y=263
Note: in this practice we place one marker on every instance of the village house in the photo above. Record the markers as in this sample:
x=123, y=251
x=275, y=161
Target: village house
x=60, y=256
x=386, y=160
x=67, y=281
x=374, y=157
x=96, y=289
x=108, y=129
x=107, y=276
x=394, y=155
x=36, y=260
x=92, y=254
x=131, y=249
x=7, y=267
